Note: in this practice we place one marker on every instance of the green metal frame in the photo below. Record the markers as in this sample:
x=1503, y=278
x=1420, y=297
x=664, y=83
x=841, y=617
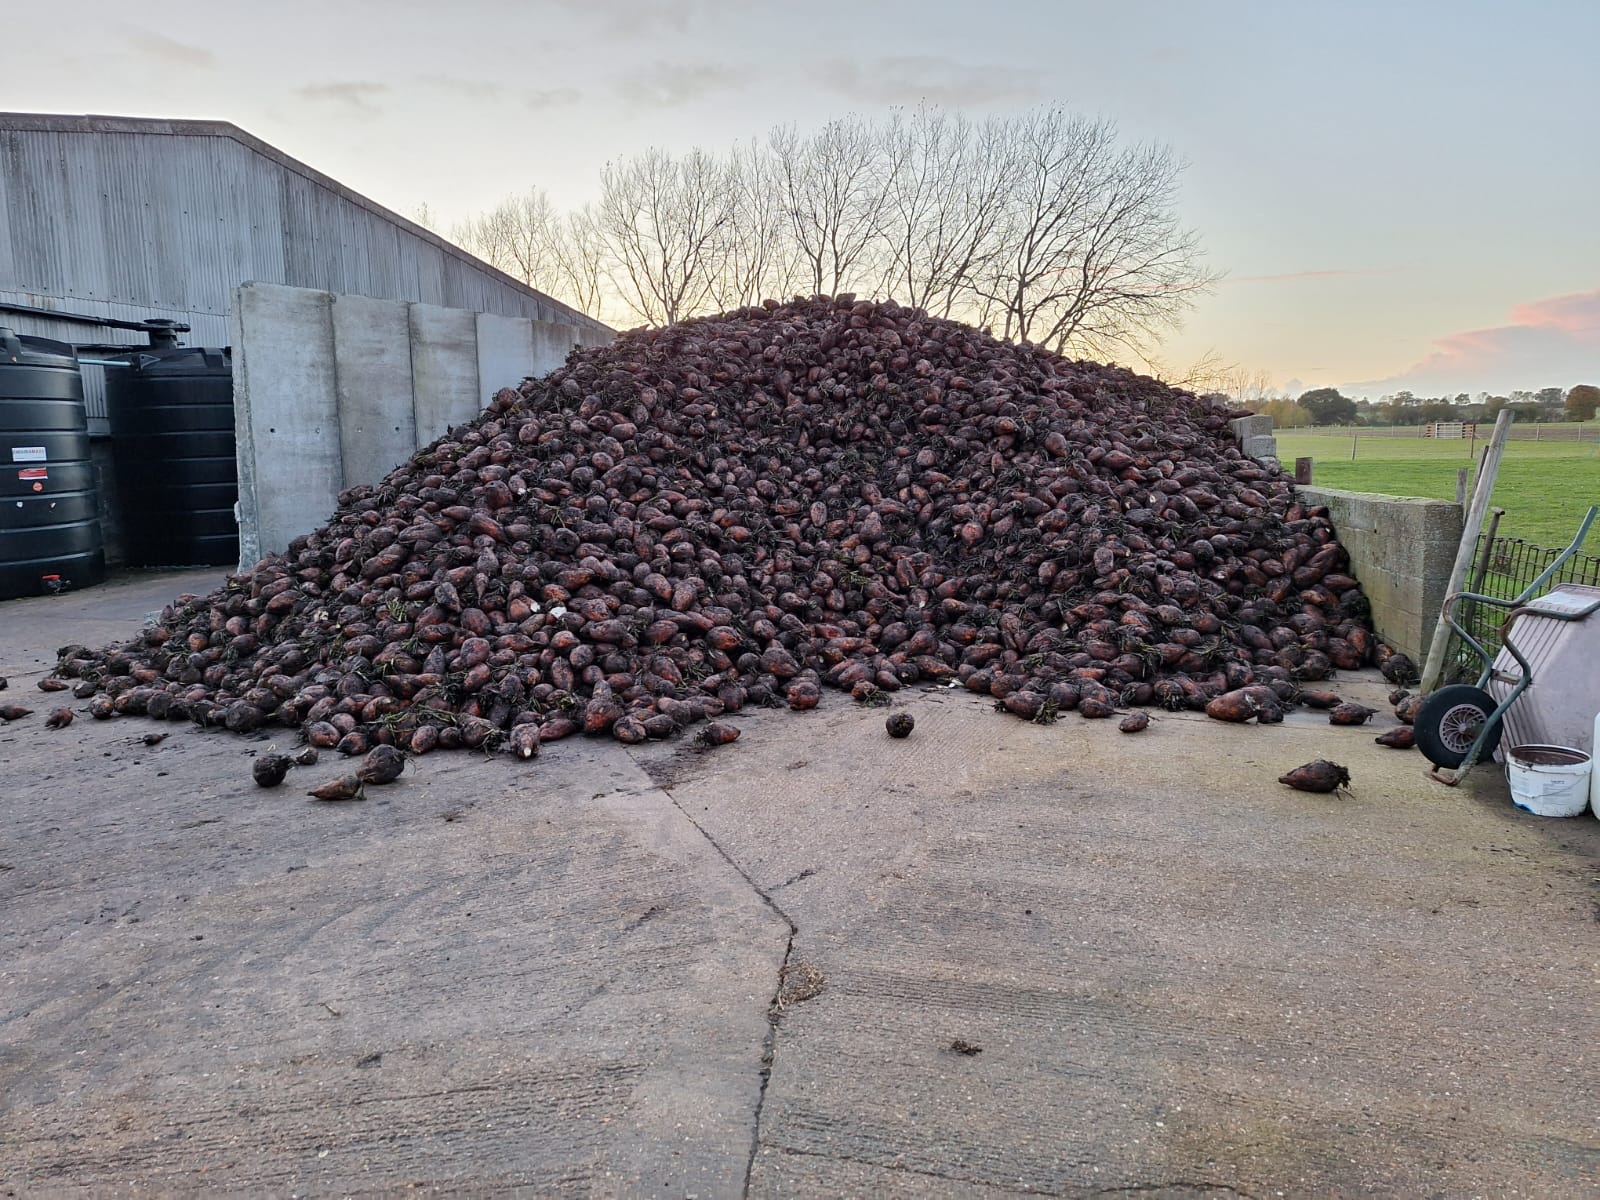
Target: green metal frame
x=1520, y=683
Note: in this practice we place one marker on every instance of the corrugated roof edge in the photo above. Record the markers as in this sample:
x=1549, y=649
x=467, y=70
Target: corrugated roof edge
x=94, y=123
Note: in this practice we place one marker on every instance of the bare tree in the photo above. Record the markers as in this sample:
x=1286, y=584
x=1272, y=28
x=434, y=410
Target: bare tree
x=833, y=196
x=580, y=263
x=944, y=183
x=757, y=256
x=1090, y=254
x=663, y=221
x=519, y=236
x=1042, y=227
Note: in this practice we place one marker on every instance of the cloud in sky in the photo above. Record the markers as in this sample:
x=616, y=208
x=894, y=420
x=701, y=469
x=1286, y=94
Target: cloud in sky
x=481, y=91
x=637, y=19
x=667, y=85
x=535, y=99
x=170, y=52
x=1547, y=343
x=355, y=93
x=910, y=78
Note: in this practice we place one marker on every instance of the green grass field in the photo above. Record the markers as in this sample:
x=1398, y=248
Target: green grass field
x=1545, y=487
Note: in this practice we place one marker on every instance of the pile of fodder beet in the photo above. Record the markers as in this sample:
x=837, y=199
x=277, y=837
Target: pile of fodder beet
x=741, y=510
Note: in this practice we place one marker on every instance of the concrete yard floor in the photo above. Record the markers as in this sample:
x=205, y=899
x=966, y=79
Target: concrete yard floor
x=993, y=958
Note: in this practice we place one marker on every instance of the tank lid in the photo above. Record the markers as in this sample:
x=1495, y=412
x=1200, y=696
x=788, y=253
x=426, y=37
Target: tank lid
x=23, y=350
x=183, y=360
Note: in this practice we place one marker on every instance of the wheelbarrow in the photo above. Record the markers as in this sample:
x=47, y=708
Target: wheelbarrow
x=1460, y=725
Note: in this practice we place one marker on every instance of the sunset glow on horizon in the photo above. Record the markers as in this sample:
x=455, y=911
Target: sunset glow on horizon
x=1400, y=195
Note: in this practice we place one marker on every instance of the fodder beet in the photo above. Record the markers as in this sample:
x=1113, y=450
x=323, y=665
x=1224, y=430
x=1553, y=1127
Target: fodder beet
x=345, y=787
x=1406, y=711
x=1318, y=776
x=1350, y=714
x=739, y=511
x=270, y=769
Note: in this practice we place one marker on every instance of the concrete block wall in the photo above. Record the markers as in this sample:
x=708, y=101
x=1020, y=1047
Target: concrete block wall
x=1402, y=551
x=331, y=391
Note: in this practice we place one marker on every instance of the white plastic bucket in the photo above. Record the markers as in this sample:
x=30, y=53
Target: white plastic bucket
x=1594, y=776
x=1549, y=781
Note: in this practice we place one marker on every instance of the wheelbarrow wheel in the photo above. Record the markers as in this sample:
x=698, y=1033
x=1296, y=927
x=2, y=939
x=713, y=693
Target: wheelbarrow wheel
x=1450, y=720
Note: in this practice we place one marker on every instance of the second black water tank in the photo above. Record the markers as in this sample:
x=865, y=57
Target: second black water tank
x=173, y=445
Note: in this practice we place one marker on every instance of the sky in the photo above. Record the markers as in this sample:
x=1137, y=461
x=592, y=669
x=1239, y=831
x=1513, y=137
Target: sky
x=1402, y=194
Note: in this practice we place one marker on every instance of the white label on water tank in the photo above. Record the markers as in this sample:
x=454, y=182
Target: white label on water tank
x=27, y=454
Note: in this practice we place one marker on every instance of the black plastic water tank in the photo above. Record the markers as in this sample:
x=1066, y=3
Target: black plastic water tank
x=173, y=445
x=49, y=509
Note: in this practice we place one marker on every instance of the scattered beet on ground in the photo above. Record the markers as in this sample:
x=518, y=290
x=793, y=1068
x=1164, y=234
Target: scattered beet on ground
x=741, y=510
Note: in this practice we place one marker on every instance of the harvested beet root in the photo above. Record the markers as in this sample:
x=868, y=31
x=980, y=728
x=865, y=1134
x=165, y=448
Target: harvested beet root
x=154, y=739
x=1319, y=776
x=1321, y=699
x=719, y=734
x=48, y=684
x=1399, y=669
x=523, y=741
x=383, y=764
x=307, y=757
x=59, y=719
x=1134, y=722
x=1396, y=696
x=14, y=712
x=1406, y=711
x=1244, y=704
x=101, y=708
x=1401, y=737
x=346, y=787
x=1350, y=714
x=900, y=724
x=739, y=511
x=269, y=770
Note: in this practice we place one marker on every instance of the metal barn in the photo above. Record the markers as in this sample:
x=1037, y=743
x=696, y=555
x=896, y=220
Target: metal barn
x=125, y=219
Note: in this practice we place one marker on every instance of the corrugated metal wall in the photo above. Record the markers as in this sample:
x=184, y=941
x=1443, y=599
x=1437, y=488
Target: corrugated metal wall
x=133, y=219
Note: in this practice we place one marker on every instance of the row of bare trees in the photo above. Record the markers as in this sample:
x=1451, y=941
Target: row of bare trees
x=1043, y=227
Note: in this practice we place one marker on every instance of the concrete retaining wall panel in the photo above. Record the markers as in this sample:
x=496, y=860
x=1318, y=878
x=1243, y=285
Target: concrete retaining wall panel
x=286, y=414
x=333, y=391
x=551, y=345
x=377, y=424
x=505, y=350
x=444, y=368
x=1402, y=551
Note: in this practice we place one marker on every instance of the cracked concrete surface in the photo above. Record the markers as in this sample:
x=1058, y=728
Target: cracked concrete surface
x=992, y=959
